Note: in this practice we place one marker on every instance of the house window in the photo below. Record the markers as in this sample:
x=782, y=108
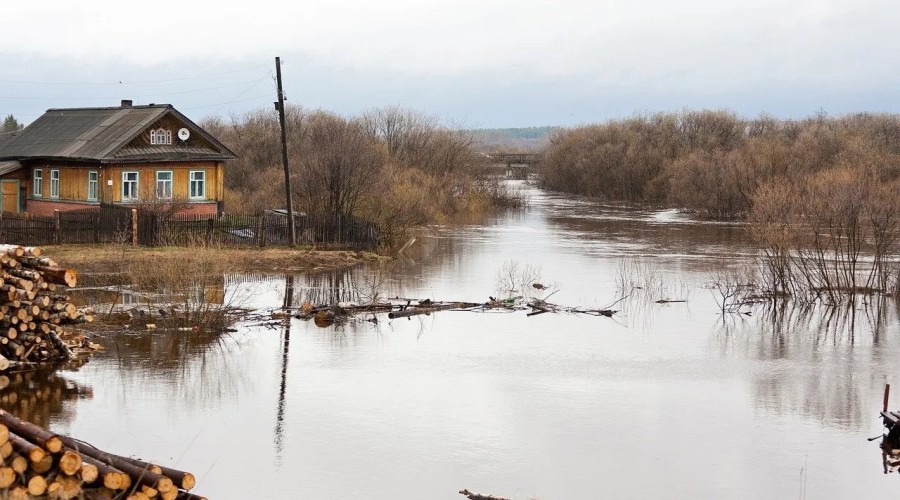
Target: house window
x=164, y=185
x=160, y=136
x=38, y=184
x=54, y=183
x=198, y=184
x=129, y=186
x=93, y=186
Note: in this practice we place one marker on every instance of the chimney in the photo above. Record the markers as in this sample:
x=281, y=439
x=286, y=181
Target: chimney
x=126, y=103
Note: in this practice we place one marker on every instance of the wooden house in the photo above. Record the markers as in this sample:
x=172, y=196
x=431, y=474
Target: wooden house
x=143, y=156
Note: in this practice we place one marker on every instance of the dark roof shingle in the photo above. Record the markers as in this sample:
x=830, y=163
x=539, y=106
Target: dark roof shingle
x=98, y=134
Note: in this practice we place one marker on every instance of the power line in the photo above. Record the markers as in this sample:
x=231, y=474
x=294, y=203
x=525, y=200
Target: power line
x=121, y=82
x=183, y=92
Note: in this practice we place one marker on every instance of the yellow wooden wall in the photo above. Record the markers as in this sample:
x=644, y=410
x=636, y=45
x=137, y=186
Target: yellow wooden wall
x=73, y=184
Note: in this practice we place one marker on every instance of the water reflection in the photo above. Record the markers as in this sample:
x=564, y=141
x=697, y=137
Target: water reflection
x=197, y=367
x=820, y=362
x=285, y=350
x=42, y=396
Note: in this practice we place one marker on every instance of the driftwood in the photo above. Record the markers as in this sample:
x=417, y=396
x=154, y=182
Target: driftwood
x=478, y=496
x=428, y=309
x=326, y=315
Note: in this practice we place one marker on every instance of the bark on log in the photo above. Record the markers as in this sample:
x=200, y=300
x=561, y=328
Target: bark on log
x=112, y=477
x=59, y=275
x=37, y=435
x=23, y=447
x=140, y=475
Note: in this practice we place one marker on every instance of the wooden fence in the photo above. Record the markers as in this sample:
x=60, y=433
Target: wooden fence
x=117, y=224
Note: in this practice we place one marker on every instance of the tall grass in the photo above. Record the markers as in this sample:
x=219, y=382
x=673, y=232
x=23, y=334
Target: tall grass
x=185, y=289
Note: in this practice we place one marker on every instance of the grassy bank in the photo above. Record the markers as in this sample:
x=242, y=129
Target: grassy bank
x=104, y=259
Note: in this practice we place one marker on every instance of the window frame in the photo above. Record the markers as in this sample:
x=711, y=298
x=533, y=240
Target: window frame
x=95, y=184
x=169, y=181
x=161, y=137
x=54, y=182
x=200, y=182
x=137, y=185
x=37, y=183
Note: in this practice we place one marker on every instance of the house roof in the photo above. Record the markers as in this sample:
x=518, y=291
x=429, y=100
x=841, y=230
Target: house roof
x=9, y=166
x=102, y=134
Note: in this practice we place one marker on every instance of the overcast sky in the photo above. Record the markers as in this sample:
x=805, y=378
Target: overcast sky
x=476, y=63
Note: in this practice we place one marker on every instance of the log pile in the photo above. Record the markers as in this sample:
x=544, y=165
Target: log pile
x=33, y=305
x=35, y=462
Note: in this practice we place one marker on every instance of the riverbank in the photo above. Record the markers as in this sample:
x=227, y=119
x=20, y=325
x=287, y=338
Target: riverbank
x=103, y=259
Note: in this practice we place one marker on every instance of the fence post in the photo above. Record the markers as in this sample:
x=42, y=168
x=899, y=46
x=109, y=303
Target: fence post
x=209, y=230
x=56, y=227
x=134, y=227
x=261, y=232
x=96, y=220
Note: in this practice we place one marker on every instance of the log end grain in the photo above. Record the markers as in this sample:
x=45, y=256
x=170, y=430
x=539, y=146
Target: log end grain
x=37, y=486
x=70, y=463
x=7, y=477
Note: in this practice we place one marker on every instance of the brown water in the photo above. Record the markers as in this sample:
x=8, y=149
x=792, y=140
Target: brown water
x=662, y=400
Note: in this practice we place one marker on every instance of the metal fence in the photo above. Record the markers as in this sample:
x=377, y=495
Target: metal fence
x=118, y=224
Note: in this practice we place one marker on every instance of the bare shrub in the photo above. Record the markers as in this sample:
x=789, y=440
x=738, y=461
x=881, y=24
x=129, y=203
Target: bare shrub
x=815, y=237
x=516, y=278
x=185, y=289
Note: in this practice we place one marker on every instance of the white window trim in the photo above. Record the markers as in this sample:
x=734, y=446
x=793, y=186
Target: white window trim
x=161, y=137
x=170, y=180
x=54, y=183
x=37, y=181
x=96, y=183
x=137, y=185
x=191, y=181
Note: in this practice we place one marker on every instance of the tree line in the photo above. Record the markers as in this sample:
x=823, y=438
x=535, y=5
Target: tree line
x=392, y=166
x=822, y=194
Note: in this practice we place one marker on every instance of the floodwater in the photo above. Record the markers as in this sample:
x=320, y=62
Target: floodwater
x=672, y=400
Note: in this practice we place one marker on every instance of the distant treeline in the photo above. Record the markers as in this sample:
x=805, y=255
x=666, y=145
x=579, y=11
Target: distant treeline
x=822, y=194
x=394, y=167
x=511, y=140
x=716, y=162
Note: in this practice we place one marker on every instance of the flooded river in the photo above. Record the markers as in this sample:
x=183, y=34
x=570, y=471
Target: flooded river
x=668, y=400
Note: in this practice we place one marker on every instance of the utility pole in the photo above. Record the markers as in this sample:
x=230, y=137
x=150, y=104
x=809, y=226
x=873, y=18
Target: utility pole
x=284, y=156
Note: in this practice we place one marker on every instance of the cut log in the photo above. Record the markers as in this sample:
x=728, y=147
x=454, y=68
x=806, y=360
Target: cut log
x=33, y=433
x=44, y=465
x=141, y=476
x=22, y=446
x=19, y=464
x=70, y=463
x=13, y=250
x=7, y=477
x=65, y=487
x=89, y=472
x=58, y=275
x=37, y=485
x=113, y=478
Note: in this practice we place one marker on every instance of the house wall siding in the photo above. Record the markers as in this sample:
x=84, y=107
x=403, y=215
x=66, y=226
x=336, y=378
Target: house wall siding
x=73, y=181
x=147, y=180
